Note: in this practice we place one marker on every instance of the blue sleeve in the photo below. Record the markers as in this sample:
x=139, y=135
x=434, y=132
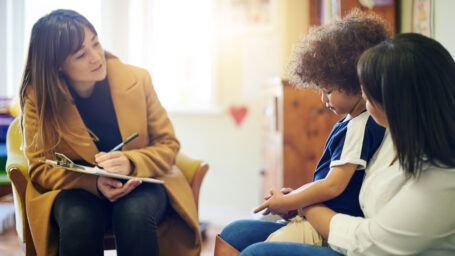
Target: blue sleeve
x=374, y=135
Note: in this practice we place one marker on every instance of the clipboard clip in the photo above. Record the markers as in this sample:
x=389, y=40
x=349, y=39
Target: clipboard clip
x=64, y=161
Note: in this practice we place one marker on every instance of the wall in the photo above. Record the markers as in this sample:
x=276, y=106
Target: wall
x=12, y=47
x=3, y=48
x=232, y=186
x=443, y=20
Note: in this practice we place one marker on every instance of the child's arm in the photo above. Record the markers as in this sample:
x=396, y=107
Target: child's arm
x=316, y=192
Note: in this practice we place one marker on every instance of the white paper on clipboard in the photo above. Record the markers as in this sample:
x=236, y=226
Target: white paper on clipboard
x=69, y=165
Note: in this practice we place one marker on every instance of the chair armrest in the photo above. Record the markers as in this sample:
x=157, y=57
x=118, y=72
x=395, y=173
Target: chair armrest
x=17, y=169
x=194, y=170
x=19, y=183
x=197, y=181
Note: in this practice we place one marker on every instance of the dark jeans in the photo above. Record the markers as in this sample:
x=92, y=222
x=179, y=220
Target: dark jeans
x=248, y=236
x=82, y=219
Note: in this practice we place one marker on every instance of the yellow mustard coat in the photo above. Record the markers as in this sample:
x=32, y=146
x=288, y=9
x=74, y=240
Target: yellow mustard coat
x=153, y=153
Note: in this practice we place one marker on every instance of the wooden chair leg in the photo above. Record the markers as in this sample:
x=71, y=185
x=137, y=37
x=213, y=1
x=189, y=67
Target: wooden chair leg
x=222, y=248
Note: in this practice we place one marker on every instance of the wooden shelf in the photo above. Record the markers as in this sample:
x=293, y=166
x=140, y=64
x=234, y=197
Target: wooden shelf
x=295, y=127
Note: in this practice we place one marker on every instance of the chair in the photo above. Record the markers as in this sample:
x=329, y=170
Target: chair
x=17, y=168
x=222, y=248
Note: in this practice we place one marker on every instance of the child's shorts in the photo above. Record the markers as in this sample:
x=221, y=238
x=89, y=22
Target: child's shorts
x=297, y=230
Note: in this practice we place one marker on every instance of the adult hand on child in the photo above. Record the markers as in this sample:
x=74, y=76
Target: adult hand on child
x=113, y=189
x=114, y=162
x=286, y=191
x=289, y=215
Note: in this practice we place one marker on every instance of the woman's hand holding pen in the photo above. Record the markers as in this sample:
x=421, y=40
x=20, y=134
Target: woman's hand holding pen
x=114, y=162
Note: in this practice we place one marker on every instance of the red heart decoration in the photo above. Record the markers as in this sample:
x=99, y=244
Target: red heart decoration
x=238, y=114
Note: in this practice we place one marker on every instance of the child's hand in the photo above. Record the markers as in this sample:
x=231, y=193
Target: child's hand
x=272, y=205
x=282, y=190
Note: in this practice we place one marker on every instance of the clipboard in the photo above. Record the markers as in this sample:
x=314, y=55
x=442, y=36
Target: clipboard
x=66, y=163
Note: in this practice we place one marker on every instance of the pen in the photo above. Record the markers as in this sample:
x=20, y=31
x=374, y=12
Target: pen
x=130, y=138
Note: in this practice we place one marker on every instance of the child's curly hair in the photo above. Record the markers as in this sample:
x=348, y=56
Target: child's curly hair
x=328, y=55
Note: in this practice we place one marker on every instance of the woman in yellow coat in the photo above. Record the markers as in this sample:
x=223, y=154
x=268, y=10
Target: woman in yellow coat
x=78, y=100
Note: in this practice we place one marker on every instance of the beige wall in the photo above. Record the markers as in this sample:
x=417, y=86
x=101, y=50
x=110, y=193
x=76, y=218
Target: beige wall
x=405, y=15
x=444, y=19
x=232, y=186
x=293, y=26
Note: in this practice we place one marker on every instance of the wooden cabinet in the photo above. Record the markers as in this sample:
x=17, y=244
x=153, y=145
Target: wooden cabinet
x=295, y=126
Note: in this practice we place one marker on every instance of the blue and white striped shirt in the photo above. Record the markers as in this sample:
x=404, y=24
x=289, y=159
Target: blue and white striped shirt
x=351, y=141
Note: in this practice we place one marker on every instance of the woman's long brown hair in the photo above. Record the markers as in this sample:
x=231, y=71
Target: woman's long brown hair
x=54, y=37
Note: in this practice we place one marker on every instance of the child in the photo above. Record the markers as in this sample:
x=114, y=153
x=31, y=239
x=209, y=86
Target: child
x=326, y=59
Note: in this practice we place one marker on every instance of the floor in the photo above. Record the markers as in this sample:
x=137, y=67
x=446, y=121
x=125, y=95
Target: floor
x=9, y=246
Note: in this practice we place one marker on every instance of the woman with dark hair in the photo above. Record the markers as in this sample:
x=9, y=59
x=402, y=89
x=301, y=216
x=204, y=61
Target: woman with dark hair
x=81, y=101
x=409, y=192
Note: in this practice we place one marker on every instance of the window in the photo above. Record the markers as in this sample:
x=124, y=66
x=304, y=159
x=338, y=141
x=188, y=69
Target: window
x=15, y=27
x=34, y=10
x=171, y=38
